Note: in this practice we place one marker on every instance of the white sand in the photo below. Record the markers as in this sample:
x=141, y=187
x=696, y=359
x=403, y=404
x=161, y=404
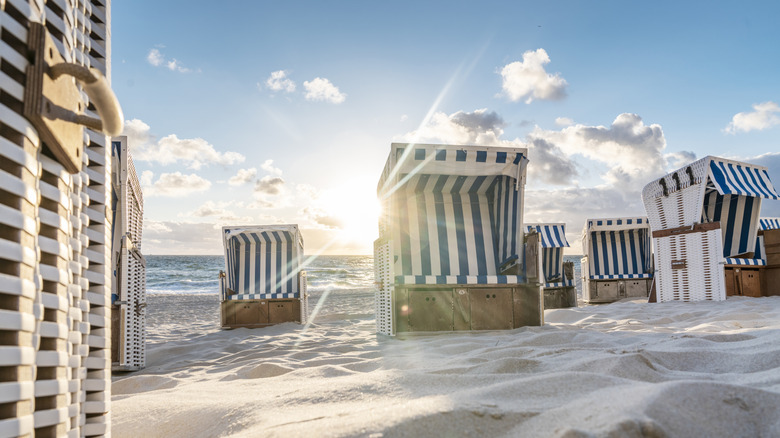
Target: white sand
x=623, y=369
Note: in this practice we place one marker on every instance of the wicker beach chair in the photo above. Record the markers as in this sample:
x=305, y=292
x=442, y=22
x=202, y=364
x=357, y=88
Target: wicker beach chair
x=559, y=289
x=617, y=261
x=55, y=250
x=450, y=253
x=704, y=218
x=128, y=286
x=263, y=282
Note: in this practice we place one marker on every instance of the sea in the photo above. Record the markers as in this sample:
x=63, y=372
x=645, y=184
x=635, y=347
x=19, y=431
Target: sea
x=199, y=274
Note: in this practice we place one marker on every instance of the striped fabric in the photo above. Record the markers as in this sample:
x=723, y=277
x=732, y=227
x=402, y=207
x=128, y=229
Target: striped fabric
x=564, y=283
x=619, y=253
x=450, y=225
x=620, y=276
x=738, y=215
x=448, y=160
x=731, y=178
x=622, y=222
x=745, y=262
x=553, y=238
x=263, y=265
x=760, y=252
x=769, y=223
x=459, y=279
x=553, y=235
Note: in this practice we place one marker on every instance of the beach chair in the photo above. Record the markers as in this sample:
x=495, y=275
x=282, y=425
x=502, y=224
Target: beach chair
x=263, y=282
x=128, y=285
x=55, y=249
x=451, y=252
x=704, y=218
x=768, y=249
x=559, y=289
x=617, y=261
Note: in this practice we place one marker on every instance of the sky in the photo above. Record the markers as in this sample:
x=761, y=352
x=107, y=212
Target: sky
x=250, y=112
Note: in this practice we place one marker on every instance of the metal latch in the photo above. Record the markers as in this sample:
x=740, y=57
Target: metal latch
x=52, y=101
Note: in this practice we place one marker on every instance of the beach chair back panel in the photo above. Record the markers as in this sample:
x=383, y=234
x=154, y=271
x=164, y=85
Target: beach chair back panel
x=446, y=224
x=620, y=253
x=55, y=251
x=264, y=265
x=700, y=277
x=738, y=215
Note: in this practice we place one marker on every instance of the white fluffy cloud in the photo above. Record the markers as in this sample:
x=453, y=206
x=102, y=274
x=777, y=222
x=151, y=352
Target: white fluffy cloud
x=268, y=167
x=243, y=176
x=527, y=80
x=631, y=149
x=174, y=184
x=763, y=116
x=194, y=152
x=323, y=89
x=564, y=121
x=278, y=81
x=224, y=212
x=157, y=59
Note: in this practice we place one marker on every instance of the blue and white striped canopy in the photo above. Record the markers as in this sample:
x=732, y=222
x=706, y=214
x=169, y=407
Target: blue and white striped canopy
x=263, y=262
x=733, y=178
x=618, y=248
x=769, y=223
x=553, y=235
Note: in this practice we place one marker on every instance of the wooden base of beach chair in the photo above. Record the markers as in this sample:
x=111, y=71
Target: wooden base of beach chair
x=609, y=291
x=425, y=308
x=560, y=297
x=743, y=281
x=260, y=313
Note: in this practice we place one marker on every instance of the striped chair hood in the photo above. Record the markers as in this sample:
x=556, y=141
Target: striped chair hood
x=618, y=248
x=454, y=212
x=263, y=261
x=553, y=237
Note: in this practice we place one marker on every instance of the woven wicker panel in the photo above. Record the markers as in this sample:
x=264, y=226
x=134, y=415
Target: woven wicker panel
x=701, y=277
x=678, y=209
x=383, y=277
x=19, y=312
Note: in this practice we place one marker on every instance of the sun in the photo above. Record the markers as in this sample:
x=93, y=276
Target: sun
x=355, y=210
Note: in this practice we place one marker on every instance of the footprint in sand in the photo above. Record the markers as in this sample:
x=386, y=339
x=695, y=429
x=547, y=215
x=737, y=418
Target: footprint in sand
x=138, y=384
x=262, y=371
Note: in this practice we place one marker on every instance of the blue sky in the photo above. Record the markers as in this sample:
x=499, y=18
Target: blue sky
x=283, y=112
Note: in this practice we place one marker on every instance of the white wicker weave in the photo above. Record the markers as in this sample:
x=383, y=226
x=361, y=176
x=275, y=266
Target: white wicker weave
x=689, y=266
x=51, y=304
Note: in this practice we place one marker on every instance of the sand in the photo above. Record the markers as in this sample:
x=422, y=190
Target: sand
x=624, y=369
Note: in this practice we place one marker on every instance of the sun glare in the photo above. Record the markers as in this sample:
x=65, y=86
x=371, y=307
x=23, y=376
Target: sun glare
x=355, y=211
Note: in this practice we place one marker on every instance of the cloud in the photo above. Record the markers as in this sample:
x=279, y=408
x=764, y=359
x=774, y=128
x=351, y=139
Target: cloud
x=763, y=116
x=243, y=176
x=323, y=89
x=195, y=152
x=527, y=80
x=564, y=121
x=482, y=127
x=157, y=59
x=175, y=185
x=222, y=211
x=268, y=167
x=631, y=149
x=320, y=217
x=172, y=237
x=675, y=160
x=269, y=185
x=278, y=81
